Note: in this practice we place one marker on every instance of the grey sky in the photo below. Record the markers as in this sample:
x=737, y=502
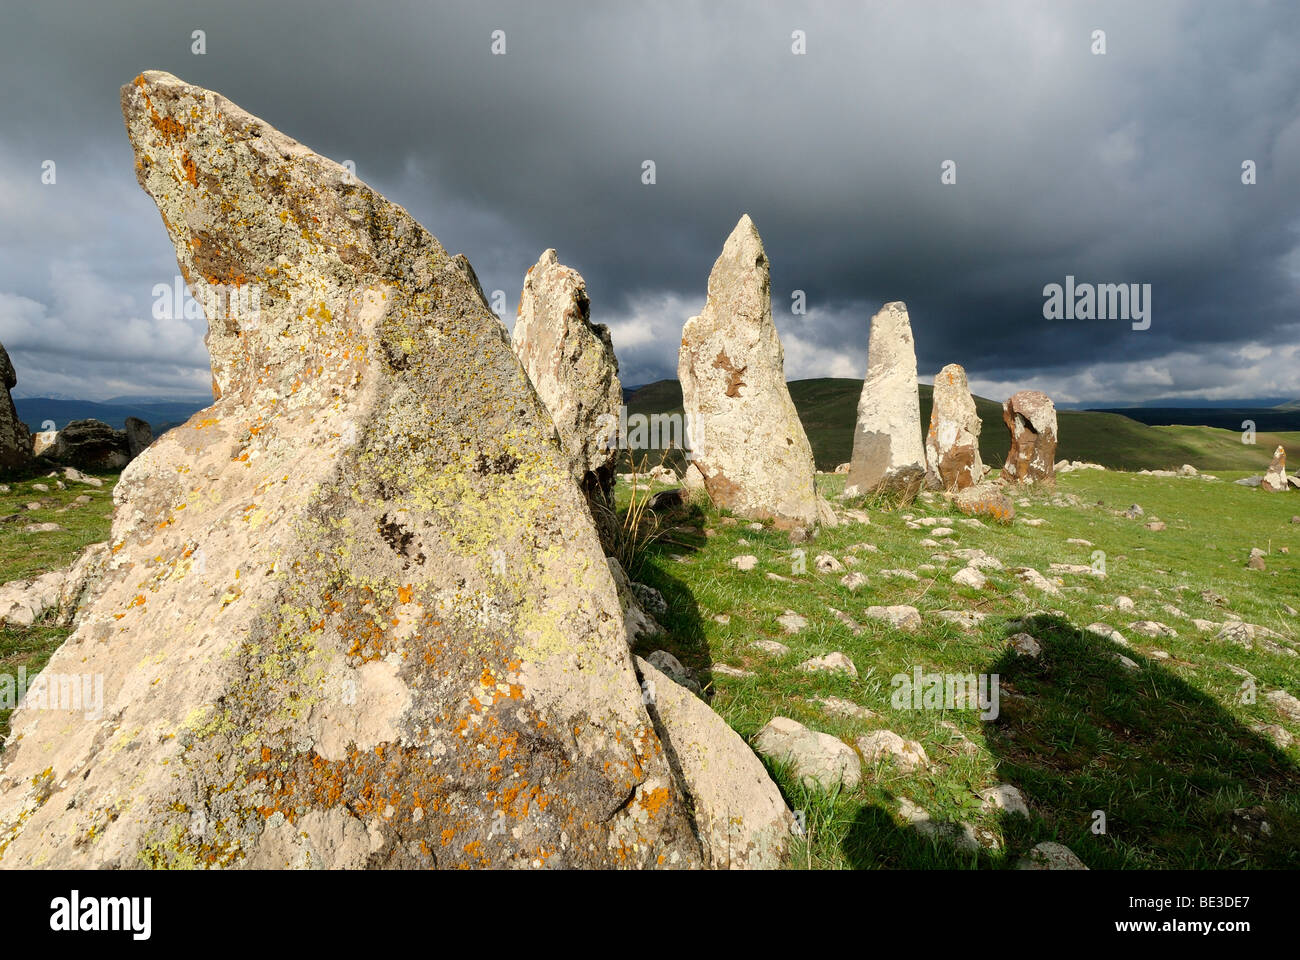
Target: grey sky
x=1120, y=168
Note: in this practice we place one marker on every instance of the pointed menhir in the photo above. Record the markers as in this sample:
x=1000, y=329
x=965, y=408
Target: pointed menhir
x=888, y=452
x=571, y=364
x=749, y=445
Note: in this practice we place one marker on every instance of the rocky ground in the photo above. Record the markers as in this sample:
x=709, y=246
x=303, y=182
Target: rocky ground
x=1147, y=713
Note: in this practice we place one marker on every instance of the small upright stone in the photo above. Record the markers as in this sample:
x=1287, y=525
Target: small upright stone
x=888, y=452
x=571, y=364
x=1031, y=418
x=952, y=446
x=748, y=442
x=1275, y=479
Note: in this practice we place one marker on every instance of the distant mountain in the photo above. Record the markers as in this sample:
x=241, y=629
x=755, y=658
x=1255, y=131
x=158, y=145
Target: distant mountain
x=1289, y=405
x=828, y=409
x=161, y=415
x=1285, y=417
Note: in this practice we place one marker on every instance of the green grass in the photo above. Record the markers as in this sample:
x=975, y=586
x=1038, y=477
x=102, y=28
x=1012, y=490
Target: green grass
x=1166, y=752
x=26, y=555
x=828, y=410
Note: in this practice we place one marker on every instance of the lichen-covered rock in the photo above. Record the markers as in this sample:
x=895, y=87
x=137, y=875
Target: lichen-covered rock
x=748, y=442
x=15, y=440
x=740, y=817
x=571, y=363
x=888, y=450
x=1031, y=417
x=985, y=500
x=355, y=612
x=952, y=445
x=1275, y=478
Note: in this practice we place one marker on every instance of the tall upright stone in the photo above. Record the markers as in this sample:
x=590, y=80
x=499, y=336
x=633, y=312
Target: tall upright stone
x=1030, y=416
x=15, y=440
x=355, y=612
x=888, y=449
x=952, y=445
x=571, y=363
x=1275, y=477
x=749, y=445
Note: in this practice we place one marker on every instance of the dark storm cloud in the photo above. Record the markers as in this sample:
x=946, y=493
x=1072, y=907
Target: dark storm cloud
x=1117, y=168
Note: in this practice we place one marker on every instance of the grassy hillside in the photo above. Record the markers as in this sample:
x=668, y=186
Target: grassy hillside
x=1167, y=742
x=828, y=409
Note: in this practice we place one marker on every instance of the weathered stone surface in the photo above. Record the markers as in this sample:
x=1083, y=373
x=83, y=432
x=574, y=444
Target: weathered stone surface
x=571, y=363
x=356, y=613
x=740, y=816
x=1050, y=856
x=91, y=445
x=817, y=759
x=15, y=440
x=1275, y=478
x=986, y=500
x=952, y=445
x=1031, y=418
x=888, y=450
x=749, y=444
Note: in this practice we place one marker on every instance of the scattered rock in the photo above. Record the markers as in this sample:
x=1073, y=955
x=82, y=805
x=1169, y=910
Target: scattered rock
x=817, y=759
x=1285, y=704
x=831, y=663
x=745, y=562
x=1152, y=628
x=825, y=563
x=900, y=616
x=1050, y=856
x=773, y=647
x=1025, y=645
x=853, y=581
x=962, y=618
x=1005, y=797
x=970, y=577
x=791, y=622
x=844, y=708
x=908, y=755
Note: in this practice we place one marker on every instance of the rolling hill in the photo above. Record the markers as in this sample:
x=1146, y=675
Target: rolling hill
x=828, y=409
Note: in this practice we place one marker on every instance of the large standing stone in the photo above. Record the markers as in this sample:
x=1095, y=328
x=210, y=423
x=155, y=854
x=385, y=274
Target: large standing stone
x=888, y=451
x=952, y=447
x=571, y=363
x=15, y=440
x=749, y=444
x=1031, y=418
x=355, y=612
x=1275, y=478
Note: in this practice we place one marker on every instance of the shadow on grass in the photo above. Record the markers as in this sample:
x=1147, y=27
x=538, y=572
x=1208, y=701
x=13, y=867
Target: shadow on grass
x=683, y=635
x=1094, y=743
